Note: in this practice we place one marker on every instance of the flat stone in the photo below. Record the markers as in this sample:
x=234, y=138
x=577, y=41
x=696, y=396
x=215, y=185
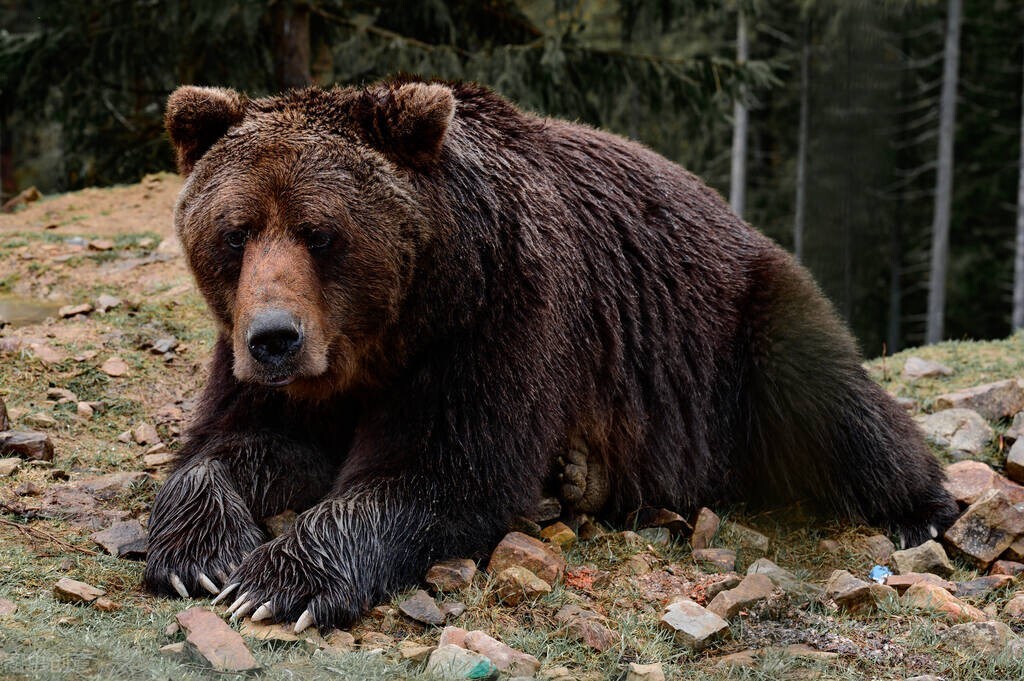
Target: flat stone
x=967, y=480
x=104, y=604
x=212, y=641
x=587, y=627
x=101, y=245
x=982, y=639
x=162, y=346
x=73, y=310
x=716, y=560
x=453, y=636
x=645, y=672
x=1006, y=567
x=268, y=631
x=453, y=662
x=84, y=410
x=903, y=582
x=728, y=581
x=410, y=650
x=658, y=517
x=107, y=302
x=751, y=591
x=857, y=595
x=878, y=547
x=988, y=527
x=559, y=533
x=340, y=641
x=963, y=431
x=928, y=557
x=693, y=626
x=518, y=549
x=1015, y=462
x=126, y=539
x=506, y=659
x=145, y=434
x=7, y=608
x=61, y=395
x=46, y=354
x=931, y=597
x=784, y=579
x=993, y=401
x=9, y=466
x=705, y=527
x=982, y=586
x=516, y=584
x=916, y=367
x=1014, y=607
x=748, y=538
x=422, y=608
x=454, y=574
x=165, y=459
x=276, y=525
x=452, y=609
x=39, y=419
x=72, y=591
x=742, y=659
x=173, y=650
x=115, y=367
x=547, y=509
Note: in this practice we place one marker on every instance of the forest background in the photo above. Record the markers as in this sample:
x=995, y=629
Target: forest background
x=881, y=141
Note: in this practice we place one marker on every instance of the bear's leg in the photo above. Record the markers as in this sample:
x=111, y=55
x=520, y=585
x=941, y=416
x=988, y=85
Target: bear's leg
x=820, y=428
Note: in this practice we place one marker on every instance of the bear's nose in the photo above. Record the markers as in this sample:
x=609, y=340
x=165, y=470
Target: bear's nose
x=274, y=337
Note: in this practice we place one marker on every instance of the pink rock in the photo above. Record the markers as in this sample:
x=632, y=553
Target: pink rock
x=212, y=641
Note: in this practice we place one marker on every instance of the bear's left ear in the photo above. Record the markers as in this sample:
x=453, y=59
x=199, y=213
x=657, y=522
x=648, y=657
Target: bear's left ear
x=406, y=122
x=196, y=117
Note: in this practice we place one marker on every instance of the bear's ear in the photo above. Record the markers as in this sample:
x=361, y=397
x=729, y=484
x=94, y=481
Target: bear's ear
x=196, y=117
x=407, y=122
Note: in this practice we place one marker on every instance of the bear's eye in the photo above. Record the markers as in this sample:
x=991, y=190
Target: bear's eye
x=318, y=239
x=236, y=239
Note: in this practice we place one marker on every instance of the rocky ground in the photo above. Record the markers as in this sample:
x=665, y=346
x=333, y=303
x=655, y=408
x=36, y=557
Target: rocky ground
x=99, y=365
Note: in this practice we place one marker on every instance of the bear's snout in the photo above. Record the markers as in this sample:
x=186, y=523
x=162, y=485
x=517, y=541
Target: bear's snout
x=274, y=338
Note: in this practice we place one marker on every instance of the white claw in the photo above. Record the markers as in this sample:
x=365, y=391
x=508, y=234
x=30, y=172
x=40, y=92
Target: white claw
x=208, y=584
x=238, y=601
x=933, y=531
x=262, y=612
x=178, y=586
x=304, y=622
x=243, y=611
x=225, y=593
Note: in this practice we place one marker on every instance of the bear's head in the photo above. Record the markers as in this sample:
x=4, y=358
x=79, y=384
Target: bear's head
x=300, y=221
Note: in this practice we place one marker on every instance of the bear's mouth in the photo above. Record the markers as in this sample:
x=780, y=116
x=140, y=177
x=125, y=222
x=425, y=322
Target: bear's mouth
x=278, y=382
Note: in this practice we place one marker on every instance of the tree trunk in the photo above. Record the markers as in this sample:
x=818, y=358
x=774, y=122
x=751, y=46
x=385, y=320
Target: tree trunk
x=738, y=177
x=291, y=44
x=801, y=145
x=1018, y=260
x=944, y=177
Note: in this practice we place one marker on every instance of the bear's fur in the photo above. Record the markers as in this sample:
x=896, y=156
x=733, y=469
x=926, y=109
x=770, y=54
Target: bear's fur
x=455, y=290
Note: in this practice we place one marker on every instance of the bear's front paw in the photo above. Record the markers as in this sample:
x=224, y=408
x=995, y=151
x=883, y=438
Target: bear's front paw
x=288, y=580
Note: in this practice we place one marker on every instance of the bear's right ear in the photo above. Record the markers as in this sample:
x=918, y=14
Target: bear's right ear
x=196, y=117
x=407, y=121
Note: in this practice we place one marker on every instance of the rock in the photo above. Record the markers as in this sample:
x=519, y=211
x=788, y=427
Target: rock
x=107, y=302
x=744, y=658
x=340, y=641
x=7, y=608
x=72, y=310
x=454, y=574
x=656, y=536
x=506, y=659
x=728, y=581
x=715, y=560
x=586, y=626
x=639, y=563
x=693, y=626
x=455, y=636
x=46, y=354
x=857, y=595
x=987, y=528
x=266, y=631
x=276, y=524
x=72, y=591
x=84, y=410
x=518, y=549
x=928, y=557
x=39, y=420
x=658, y=517
x=61, y=395
x=993, y=401
x=101, y=245
x=410, y=650
x=453, y=662
x=210, y=640
x=157, y=460
x=1014, y=607
x=645, y=672
x=126, y=539
x=145, y=434
x=104, y=604
x=422, y=608
x=115, y=367
x=982, y=639
x=9, y=466
x=705, y=527
x=747, y=538
x=915, y=368
x=547, y=509
x=525, y=526
x=162, y=346
x=982, y=586
x=931, y=597
x=878, y=547
x=560, y=534
x=752, y=590
x=968, y=480
x=784, y=579
x=28, y=489
x=451, y=610
x=963, y=431
x=1006, y=567
x=516, y=584
x=1015, y=462
x=173, y=649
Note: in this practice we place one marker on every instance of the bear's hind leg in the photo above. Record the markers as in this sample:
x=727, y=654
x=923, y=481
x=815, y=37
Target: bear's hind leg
x=819, y=427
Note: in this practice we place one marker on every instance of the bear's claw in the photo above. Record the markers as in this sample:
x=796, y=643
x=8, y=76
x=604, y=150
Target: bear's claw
x=304, y=622
x=208, y=584
x=225, y=592
x=178, y=586
x=262, y=612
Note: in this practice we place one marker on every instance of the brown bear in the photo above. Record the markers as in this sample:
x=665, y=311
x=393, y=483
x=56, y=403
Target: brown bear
x=424, y=295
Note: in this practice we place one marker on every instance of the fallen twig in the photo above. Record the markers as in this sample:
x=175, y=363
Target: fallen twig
x=28, y=530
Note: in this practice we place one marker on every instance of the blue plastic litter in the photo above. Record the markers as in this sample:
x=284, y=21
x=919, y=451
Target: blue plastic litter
x=879, y=573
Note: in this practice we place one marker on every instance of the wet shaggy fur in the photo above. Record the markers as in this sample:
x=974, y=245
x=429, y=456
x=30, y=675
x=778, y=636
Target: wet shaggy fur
x=497, y=285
